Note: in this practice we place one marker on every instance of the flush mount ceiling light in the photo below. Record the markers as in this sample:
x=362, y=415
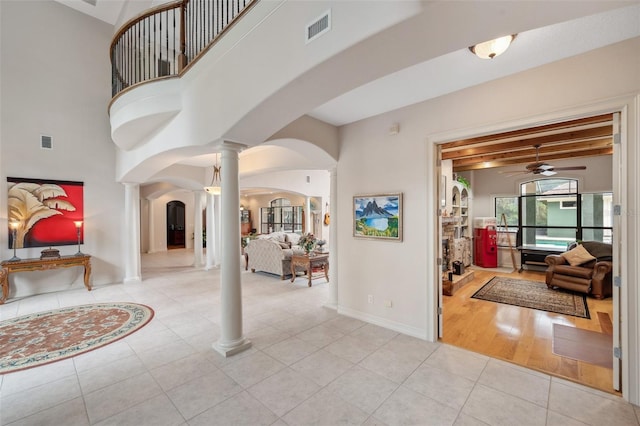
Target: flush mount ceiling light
x=215, y=188
x=492, y=48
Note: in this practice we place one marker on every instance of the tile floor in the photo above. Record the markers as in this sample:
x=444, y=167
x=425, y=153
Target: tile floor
x=307, y=366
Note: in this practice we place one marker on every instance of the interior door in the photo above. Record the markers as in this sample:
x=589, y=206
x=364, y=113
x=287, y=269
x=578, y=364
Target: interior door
x=617, y=251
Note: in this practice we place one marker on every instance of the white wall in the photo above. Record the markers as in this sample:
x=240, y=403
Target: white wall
x=56, y=82
x=406, y=272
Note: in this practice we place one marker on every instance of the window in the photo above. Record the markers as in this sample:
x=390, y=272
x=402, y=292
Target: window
x=551, y=213
x=280, y=216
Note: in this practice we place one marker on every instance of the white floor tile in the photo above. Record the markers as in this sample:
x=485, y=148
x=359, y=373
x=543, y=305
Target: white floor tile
x=406, y=407
x=157, y=411
x=516, y=382
x=362, y=388
x=588, y=407
x=440, y=385
x=322, y=367
x=498, y=408
x=325, y=408
x=241, y=410
x=284, y=390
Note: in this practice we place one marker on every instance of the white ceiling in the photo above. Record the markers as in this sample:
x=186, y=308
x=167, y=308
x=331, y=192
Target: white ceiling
x=104, y=10
x=453, y=71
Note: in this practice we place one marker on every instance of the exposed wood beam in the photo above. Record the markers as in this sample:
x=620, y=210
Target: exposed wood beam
x=604, y=119
x=528, y=155
x=479, y=165
x=472, y=150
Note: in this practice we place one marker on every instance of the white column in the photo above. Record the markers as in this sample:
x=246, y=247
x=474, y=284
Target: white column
x=307, y=215
x=198, y=258
x=217, y=226
x=333, y=241
x=231, y=339
x=131, y=237
x=152, y=225
x=211, y=233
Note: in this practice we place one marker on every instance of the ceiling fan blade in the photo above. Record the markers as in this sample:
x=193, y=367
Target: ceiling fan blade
x=547, y=172
x=545, y=167
x=570, y=168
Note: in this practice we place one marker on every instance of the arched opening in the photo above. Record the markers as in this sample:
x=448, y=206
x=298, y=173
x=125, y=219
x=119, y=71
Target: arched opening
x=175, y=225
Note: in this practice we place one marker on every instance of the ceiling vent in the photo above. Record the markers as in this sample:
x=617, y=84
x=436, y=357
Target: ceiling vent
x=318, y=27
x=46, y=142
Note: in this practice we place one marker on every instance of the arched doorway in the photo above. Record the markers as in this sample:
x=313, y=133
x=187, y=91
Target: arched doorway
x=175, y=225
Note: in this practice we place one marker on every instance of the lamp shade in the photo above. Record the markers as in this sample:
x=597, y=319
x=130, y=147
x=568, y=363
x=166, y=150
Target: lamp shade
x=492, y=48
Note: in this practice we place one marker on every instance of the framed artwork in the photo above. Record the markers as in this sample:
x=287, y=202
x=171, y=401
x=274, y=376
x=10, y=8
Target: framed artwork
x=44, y=212
x=378, y=216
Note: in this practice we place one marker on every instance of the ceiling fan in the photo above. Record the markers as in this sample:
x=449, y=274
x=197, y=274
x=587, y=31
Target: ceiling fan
x=541, y=168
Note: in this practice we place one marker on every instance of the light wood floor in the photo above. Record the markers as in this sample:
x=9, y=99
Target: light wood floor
x=521, y=335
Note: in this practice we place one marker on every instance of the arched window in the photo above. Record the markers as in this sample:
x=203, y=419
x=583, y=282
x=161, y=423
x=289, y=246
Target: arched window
x=551, y=213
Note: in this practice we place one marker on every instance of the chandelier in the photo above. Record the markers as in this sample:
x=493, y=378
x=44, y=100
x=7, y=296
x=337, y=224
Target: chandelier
x=215, y=188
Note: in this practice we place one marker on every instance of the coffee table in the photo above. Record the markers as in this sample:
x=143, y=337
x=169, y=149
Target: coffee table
x=318, y=261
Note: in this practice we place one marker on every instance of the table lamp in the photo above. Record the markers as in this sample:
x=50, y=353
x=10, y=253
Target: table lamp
x=78, y=224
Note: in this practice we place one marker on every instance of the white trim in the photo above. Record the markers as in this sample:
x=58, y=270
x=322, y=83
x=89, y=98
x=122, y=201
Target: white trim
x=383, y=322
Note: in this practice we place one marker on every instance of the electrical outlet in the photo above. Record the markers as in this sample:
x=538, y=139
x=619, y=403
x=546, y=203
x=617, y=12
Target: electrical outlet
x=370, y=298
x=388, y=303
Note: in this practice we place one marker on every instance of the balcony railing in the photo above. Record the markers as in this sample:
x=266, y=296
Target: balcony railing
x=165, y=40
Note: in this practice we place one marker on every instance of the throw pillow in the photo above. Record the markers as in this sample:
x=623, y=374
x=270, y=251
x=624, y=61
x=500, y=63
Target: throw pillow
x=284, y=245
x=577, y=256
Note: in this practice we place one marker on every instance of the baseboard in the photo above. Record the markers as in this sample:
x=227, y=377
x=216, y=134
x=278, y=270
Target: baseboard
x=383, y=322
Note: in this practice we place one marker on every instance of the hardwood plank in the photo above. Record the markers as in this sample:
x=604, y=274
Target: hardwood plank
x=605, y=323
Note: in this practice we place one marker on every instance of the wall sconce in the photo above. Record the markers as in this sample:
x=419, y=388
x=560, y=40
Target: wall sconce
x=492, y=48
x=78, y=224
x=14, y=224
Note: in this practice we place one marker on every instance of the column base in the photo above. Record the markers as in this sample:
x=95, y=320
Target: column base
x=129, y=280
x=231, y=348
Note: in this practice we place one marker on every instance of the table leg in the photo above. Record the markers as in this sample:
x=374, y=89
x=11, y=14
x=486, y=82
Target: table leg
x=87, y=275
x=326, y=271
x=310, y=273
x=4, y=277
x=293, y=272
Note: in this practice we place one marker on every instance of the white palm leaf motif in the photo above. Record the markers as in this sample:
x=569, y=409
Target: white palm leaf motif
x=31, y=202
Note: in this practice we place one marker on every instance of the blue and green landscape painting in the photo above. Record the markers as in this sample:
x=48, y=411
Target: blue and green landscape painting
x=376, y=216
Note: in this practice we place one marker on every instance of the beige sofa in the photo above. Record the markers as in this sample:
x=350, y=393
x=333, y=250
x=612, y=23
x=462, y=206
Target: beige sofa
x=271, y=254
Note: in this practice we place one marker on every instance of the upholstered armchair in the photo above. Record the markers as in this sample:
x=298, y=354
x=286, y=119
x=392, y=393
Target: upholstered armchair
x=588, y=273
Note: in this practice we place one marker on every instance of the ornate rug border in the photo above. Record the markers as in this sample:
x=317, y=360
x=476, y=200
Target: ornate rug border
x=583, y=296
x=121, y=332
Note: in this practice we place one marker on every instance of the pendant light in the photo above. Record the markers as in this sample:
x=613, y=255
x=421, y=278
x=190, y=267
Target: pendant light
x=215, y=188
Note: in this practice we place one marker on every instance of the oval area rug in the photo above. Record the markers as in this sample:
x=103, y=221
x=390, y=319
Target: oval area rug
x=44, y=337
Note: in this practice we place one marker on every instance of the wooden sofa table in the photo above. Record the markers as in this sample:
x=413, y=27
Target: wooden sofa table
x=37, y=264
x=308, y=263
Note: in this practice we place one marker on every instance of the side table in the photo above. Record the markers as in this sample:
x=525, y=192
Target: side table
x=318, y=261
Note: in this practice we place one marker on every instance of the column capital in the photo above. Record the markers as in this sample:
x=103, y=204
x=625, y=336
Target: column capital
x=232, y=146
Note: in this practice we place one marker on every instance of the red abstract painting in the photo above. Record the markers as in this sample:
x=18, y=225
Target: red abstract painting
x=44, y=212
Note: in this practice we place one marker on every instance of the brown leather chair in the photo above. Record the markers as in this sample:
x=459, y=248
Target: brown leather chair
x=592, y=278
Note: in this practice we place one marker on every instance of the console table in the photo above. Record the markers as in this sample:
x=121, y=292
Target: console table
x=310, y=262
x=37, y=264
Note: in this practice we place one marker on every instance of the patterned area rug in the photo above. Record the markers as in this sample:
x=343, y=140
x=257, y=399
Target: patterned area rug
x=43, y=337
x=534, y=295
